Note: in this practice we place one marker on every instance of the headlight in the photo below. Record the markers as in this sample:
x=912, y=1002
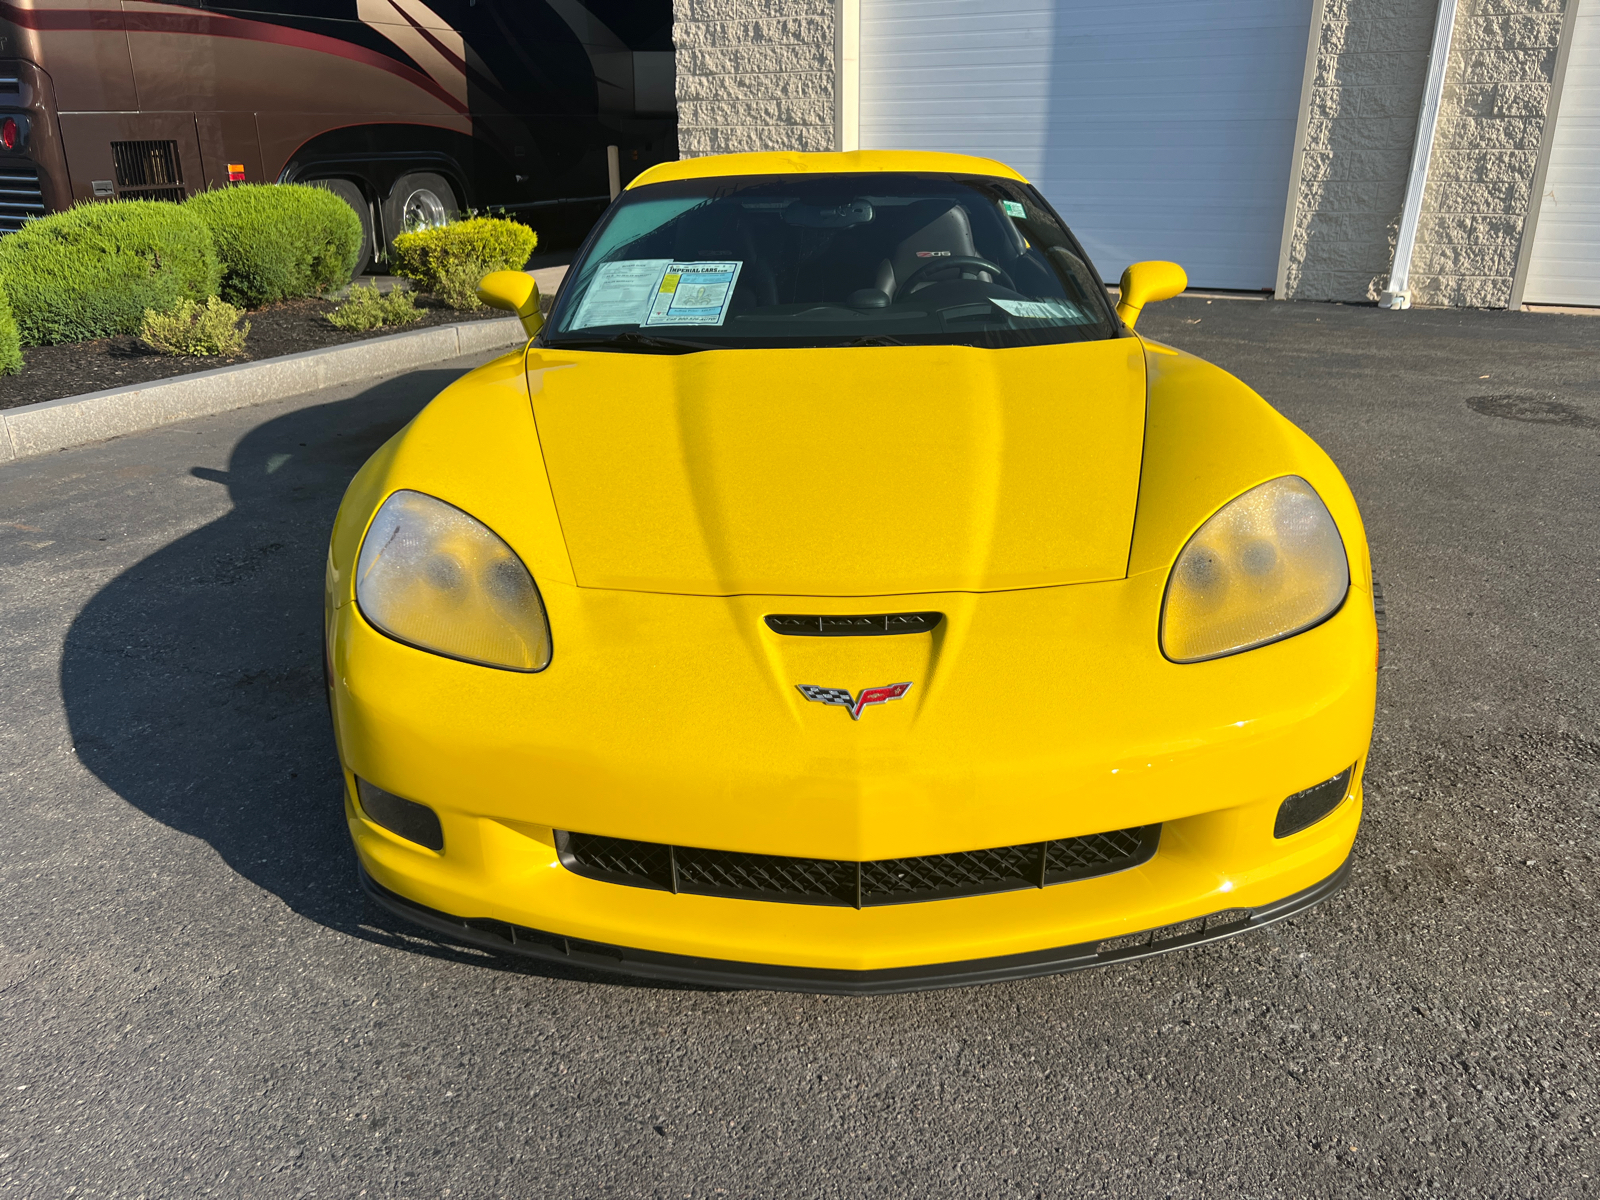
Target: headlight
x=432, y=576
x=1268, y=565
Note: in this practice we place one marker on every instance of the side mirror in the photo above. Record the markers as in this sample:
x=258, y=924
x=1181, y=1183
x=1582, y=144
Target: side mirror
x=1145, y=283
x=514, y=291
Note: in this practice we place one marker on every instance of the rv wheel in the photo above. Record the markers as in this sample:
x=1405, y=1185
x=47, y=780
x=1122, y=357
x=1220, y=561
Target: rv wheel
x=418, y=201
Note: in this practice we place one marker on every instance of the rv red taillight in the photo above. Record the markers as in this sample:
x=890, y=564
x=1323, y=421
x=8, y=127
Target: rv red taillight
x=9, y=134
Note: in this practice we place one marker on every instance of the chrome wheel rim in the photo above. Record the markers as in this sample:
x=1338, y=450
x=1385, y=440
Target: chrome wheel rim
x=422, y=210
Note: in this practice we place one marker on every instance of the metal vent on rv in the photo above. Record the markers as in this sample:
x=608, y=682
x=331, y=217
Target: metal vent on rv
x=147, y=170
x=20, y=197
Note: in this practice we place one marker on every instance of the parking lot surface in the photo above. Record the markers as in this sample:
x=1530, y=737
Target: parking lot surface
x=196, y=1000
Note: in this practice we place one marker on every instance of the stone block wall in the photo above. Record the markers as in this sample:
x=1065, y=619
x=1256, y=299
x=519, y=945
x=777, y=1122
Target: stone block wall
x=754, y=75
x=1372, y=59
x=1480, y=178
x=1372, y=63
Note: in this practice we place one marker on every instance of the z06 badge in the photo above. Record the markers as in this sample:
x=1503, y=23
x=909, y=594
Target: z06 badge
x=841, y=697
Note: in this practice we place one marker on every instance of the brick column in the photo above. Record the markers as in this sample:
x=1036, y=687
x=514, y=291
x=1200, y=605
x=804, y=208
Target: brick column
x=1491, y=124
x=1371, y=61
x=1372, y=58
x=754, y=75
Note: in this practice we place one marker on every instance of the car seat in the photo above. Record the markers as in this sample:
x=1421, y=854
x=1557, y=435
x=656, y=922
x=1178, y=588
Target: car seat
x=719, y=232
x=947, y=234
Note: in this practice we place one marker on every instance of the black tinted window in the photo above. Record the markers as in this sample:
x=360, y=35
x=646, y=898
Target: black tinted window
x=809, y=260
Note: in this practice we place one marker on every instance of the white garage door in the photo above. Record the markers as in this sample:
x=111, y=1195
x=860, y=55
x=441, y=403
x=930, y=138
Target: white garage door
x=1157, y=128
x=1564, y=267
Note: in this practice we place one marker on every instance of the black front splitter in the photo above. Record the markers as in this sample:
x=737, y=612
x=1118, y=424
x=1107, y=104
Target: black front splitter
x=505, y=937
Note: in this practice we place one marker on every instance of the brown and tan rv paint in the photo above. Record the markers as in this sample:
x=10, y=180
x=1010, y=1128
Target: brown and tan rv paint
x=503, y=103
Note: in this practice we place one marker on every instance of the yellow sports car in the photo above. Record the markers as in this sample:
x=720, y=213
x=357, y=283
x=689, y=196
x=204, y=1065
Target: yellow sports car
x=838, y=595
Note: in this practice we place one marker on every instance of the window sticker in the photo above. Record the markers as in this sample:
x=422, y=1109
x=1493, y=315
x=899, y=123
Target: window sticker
x=1012, y=209
x=1040, y=310
x=694, y=293
x=621, y=292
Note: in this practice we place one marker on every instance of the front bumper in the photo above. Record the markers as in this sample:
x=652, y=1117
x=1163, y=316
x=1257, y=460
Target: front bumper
x=1036, y=715
x=496, y=877
x=505, y=937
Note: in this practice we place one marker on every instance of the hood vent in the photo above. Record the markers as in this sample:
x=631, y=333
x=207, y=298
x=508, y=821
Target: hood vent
x=853, y=625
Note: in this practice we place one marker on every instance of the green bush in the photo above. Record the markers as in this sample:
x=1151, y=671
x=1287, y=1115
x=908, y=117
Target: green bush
x=367, y=308
x=10, y=341
x=278, y=241
x=190, y=328
x=457, y=284
x=91, y=272
x=450, y=260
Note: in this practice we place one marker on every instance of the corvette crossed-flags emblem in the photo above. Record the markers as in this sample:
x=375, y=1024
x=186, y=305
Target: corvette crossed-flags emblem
x=841, y=697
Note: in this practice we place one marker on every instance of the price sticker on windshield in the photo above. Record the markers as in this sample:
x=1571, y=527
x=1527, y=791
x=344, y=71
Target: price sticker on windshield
x=694, y=293
x=1012, y=209
x=621, y=292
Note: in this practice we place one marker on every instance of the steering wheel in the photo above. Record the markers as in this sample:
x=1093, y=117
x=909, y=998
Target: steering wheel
x=954, y=260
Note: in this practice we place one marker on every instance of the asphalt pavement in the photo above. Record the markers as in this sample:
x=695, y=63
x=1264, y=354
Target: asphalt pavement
x=195, y=999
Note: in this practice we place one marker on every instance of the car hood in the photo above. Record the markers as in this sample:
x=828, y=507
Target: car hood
x=844, y=472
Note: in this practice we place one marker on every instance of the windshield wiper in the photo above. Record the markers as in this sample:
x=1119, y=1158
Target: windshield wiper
x=878, y=339
x=645, y=343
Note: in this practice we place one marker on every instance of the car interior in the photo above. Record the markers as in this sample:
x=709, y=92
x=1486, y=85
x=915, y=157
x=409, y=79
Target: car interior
x=859, y=255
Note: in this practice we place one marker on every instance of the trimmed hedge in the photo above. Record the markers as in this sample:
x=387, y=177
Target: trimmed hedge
x=10, y=341
x=91, y=272
x=278, y=241
x=449, y=260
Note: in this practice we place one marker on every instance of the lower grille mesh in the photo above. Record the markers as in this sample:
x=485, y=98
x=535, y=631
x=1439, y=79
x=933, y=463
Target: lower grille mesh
x=787, y=880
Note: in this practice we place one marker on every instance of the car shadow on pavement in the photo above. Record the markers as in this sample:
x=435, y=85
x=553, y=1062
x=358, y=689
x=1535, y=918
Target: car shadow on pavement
x=193, y=681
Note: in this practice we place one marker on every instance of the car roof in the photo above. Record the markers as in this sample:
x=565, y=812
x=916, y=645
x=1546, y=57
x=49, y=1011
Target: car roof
x=849, y=162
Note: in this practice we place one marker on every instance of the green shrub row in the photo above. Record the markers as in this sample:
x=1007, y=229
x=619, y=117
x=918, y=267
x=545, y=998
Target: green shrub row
x=92, y=271
x=95, y=270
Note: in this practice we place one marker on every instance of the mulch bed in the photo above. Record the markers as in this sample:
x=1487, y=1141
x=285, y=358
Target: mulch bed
x=50, y=372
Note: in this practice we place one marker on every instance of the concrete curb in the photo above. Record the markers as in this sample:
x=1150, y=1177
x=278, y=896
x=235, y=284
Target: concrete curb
x=76, y=420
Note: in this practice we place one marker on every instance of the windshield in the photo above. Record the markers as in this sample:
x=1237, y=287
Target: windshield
x=829, y=260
